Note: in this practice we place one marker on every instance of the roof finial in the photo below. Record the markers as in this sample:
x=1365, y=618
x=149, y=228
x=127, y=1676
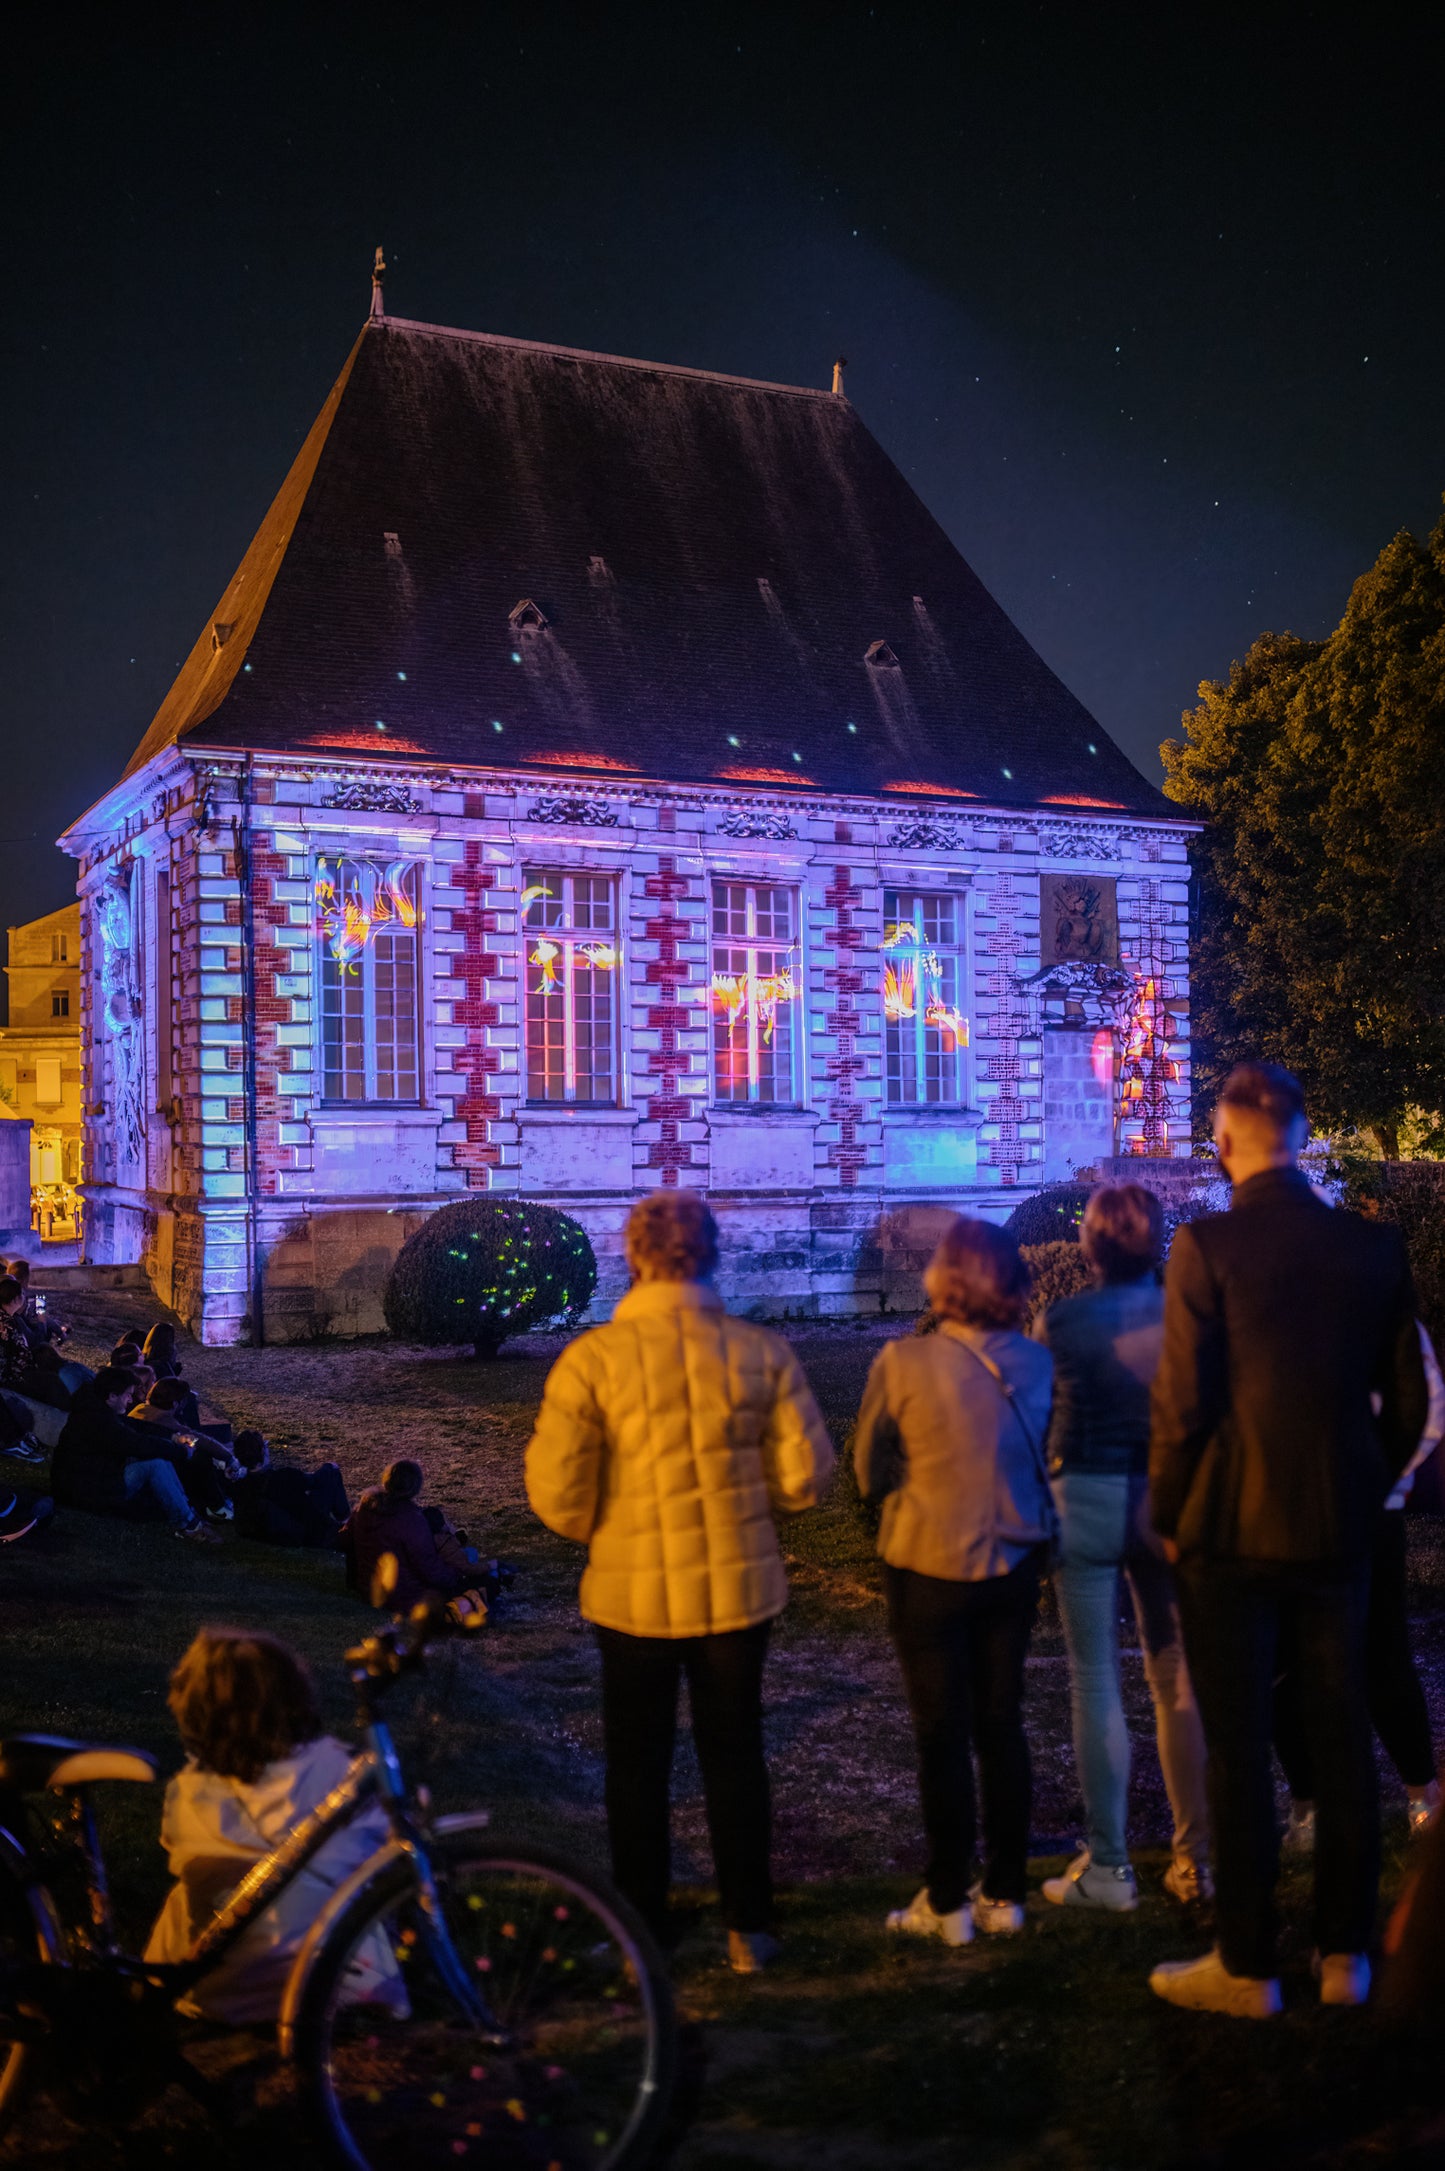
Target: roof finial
x=378, y=273
x=838, y=368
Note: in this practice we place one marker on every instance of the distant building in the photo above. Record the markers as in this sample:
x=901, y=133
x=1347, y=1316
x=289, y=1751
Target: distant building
x=601, y=774
x=40, y=1068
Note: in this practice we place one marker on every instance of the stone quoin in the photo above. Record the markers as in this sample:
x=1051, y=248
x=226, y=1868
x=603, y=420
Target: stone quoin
x=601, y=774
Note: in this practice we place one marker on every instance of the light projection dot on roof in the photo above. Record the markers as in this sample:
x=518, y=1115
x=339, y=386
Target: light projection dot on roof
x=853, y=727
x=516, y=657
x=495, y=725
x=733, y=740
x=797, y=757
x=380, y=725
x=1009, y=774
x=1092, y=748
x=401, y=675
x=244, y=667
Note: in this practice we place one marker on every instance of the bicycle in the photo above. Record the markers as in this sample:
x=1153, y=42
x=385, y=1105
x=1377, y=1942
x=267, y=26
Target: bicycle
x=456, y=2000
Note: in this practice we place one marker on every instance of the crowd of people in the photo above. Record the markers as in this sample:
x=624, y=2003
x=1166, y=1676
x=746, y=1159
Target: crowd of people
x=1235, y=1442
x=1233, y=1437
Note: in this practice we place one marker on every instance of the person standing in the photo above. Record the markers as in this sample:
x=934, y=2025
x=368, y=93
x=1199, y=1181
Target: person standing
x=1269, y=1469
x=667, y=1442
x=951, y=1439
x=1105, y=1344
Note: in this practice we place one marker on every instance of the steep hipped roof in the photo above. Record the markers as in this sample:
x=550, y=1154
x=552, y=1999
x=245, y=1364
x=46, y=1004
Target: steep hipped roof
x=631, y=568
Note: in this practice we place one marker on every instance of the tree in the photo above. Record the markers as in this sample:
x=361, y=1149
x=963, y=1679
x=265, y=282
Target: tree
x=1320, y=767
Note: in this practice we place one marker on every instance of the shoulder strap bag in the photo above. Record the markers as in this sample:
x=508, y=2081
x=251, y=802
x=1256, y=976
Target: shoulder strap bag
x=1036, y=1451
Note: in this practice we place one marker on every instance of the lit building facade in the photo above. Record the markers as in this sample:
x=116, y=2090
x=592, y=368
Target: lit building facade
x=40, y=1068
x=601, y=775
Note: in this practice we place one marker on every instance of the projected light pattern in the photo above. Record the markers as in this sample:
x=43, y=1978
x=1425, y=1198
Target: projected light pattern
x=356, y=899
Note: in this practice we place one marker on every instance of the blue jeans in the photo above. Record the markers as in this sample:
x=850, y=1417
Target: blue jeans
x=157, y=1484
x=1104, y=1531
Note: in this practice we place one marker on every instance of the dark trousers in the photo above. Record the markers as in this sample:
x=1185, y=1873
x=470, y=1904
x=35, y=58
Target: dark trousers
x=962, y=1648
x=1237, y=1619
x=640, y=1680
x=1398, y=1710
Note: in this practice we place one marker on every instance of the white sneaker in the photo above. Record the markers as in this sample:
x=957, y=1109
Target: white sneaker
x=921, y=1919
x=750, y=1951
x=1206, y=1986
x=1344, y=1978
x=1087, y=1883
x=1298, y=1836
x=996, y=1918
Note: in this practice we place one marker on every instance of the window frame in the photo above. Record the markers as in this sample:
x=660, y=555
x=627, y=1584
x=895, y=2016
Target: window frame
x=907, y=899
x=569, y=937
x=60, y=1002
x=751, y=944
x=332, y=1103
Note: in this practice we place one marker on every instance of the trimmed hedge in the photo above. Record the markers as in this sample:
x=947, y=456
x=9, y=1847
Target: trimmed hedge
x=1412, y=1195
x=1058, y=1270
x=1051, y=1216
x=483, y=1269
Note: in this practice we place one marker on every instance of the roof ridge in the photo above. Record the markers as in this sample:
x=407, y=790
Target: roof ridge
x=621, y=361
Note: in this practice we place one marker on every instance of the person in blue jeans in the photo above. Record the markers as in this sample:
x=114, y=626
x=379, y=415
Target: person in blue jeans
x=1105, y=1344
x=107, y=1465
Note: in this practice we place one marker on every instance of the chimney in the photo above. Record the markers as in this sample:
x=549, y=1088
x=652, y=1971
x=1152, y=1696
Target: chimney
x=838, y=368
x=378, y=273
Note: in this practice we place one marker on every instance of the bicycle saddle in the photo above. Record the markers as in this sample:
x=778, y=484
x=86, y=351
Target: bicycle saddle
x=29, y=1762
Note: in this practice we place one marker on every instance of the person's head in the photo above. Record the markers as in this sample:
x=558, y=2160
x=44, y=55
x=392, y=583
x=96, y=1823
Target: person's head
x=12, y=1296
x=160, y=1344
x=240, y=1701
x=131, y=1341
x=19, y=1270
x=1260, y=1121
x=145, y=1378
x=977, y=1277
x=1122, y=1235
x=167, y=1394
x=251, y=1450
x=671, y=1236
x=117, y=1384
x=402, y=1480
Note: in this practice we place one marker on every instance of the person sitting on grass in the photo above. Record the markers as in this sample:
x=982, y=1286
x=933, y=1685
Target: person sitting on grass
x=430, y=1555
x=20, y=1371
x=257, y=1762
x=108, y=1466
x=45, y=1332
x=206, y=1468
x=286, y=1507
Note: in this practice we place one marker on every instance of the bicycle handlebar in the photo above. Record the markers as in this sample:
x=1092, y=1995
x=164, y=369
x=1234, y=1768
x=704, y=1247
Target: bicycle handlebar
x=402, y=1646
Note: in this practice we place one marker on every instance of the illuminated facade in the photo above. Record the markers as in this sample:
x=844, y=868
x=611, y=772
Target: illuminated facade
x=40, y=1070
x=601, y=775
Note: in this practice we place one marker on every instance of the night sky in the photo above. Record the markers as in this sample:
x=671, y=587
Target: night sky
x=1150, y=310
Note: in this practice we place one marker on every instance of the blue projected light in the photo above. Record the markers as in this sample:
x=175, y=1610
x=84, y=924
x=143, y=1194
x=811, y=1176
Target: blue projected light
x=495, y=725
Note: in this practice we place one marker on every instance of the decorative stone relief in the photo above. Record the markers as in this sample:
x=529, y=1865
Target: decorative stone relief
x=925, y=836
x=123, y=1006
x=1075, y=843
x=367, y=796
x=773, y=826
x=586, y=813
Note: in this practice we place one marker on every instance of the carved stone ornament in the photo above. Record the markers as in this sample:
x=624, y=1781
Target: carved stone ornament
x=122, y=1011
x=1076, y=843
x=366, y=796
x=774, y=826
x=924, y=836
x=585, y=813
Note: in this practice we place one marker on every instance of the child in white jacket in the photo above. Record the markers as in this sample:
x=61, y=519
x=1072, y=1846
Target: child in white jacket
x=257, y=1763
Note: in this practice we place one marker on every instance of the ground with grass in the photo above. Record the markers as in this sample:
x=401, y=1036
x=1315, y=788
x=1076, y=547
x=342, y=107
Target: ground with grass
x=1050, y=2051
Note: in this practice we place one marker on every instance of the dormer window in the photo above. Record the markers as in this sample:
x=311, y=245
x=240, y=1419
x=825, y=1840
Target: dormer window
x=526, y=617
x=391, y=543
x=880, y=657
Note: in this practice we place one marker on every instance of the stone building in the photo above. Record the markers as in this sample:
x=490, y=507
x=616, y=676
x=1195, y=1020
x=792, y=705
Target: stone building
x=602, y=774
x=40, y=1069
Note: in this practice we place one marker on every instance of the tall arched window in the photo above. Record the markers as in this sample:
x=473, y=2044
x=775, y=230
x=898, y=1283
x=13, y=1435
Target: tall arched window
x=366, y=913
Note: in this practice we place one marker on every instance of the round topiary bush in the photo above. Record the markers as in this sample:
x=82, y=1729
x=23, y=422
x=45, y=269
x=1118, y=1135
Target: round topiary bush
x=486, y=1268
x=1051, y=1216
x=1058, y=1270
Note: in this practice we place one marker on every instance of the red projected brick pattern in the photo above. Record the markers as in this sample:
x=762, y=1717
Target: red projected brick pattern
x=845, y=1066
x=1007, y=1026
x=268, y=867
x=668, y=1017
x=478, y=1108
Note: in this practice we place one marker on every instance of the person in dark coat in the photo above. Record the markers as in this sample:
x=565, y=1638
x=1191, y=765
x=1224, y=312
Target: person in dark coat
x=430, y=1555
x=107, y=1465
x=1269, y=1470
x=287, y=1507
x=21, y=1368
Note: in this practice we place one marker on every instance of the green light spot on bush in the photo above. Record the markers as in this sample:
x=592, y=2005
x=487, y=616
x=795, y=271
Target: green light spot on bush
x=493, y=1266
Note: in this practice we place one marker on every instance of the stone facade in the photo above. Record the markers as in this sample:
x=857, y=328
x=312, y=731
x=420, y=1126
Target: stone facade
x=215, y=1156
x=40, y=1065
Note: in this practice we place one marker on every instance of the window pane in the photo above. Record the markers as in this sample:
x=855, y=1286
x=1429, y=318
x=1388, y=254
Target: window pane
x=754, y=993
x=571, y=977
x=924, y=1032
x=370, y=1041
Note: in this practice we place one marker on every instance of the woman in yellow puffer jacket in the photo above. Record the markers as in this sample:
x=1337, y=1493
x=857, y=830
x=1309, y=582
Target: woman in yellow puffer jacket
x=667, y=1442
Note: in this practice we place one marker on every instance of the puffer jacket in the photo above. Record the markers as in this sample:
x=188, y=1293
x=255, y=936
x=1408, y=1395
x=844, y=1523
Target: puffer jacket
x=950, y=1436
x=667, y=1442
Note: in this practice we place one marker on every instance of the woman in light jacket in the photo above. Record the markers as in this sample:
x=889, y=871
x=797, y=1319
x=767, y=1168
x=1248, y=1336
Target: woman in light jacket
x=668, y=1441
x=950, y=1435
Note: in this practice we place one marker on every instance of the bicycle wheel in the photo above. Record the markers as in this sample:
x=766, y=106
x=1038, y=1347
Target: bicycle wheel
x=397, y=2080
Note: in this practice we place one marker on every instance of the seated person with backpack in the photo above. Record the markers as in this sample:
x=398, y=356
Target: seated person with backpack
x=205, y=1468
x=109, y=1466
x=286, y=1507
x=429, y=1554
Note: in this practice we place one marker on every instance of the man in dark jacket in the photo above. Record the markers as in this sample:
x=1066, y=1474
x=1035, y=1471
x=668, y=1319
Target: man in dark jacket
x=1269, y=1470
x=107, y=1465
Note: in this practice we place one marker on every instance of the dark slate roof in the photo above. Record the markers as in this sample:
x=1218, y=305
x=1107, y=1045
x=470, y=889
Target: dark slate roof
x=631, y=568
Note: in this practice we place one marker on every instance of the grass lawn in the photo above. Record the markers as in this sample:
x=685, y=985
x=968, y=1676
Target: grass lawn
x=854, y=2052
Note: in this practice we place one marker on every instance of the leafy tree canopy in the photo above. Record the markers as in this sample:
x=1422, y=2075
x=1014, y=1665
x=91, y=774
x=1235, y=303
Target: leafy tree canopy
x=1320, y=767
